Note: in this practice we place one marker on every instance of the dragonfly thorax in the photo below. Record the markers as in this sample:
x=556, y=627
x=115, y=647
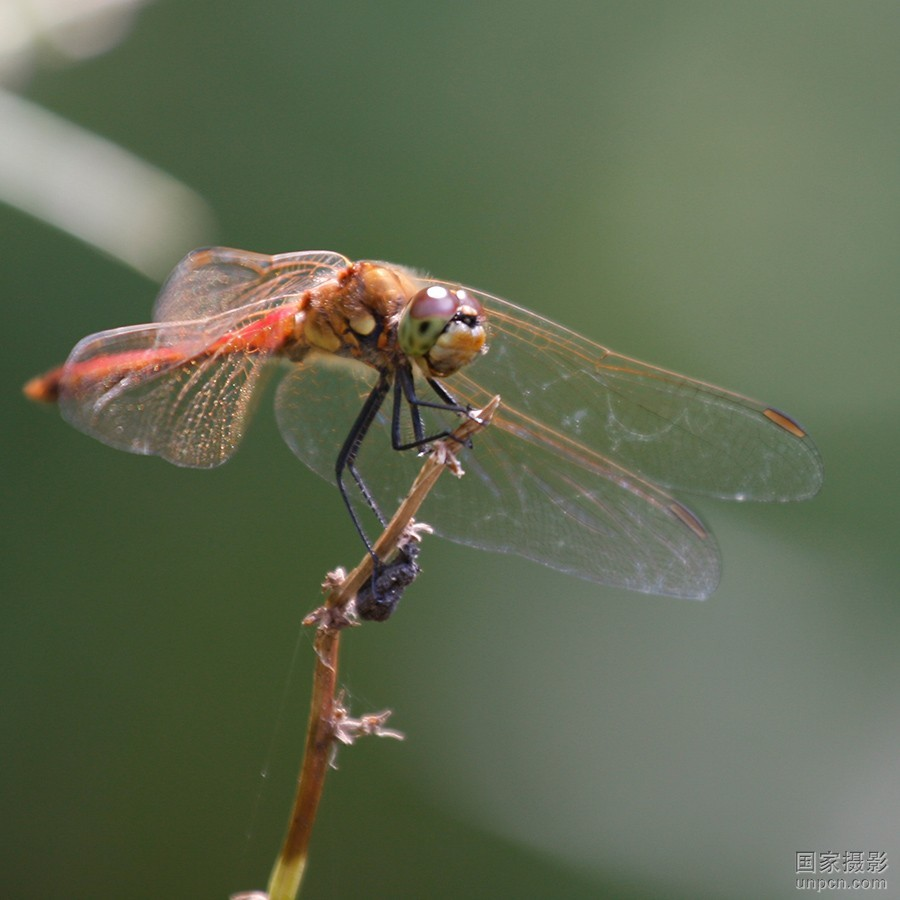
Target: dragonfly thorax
x=354, y=315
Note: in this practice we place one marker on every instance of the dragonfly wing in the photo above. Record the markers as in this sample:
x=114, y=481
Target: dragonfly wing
x=521, y=495
x=672, y=430
x=216, y=279
x=576, y=513
x=164, y=389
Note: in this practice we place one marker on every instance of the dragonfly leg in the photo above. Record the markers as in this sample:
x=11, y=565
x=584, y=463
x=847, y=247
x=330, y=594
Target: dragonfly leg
x=405, y=390
x=448, y=401
x=366, y=494
x=387, y=580
x=346, y=459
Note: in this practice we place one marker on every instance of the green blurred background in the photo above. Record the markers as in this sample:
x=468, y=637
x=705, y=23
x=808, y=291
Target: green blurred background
x=712, y=187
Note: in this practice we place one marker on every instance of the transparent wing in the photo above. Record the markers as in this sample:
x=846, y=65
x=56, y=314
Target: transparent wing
x=211, y=280
x=180, y=390
x=581, y=401
x=183, y=389
x=556, y=504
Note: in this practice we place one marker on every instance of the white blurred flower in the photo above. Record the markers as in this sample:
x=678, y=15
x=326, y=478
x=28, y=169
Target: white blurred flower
x=70, y=29
x=69, y=177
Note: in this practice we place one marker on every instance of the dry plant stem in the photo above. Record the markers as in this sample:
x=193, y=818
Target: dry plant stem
x=287, y=875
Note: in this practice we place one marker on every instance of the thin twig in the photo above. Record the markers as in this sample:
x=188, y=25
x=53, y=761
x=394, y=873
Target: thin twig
x=287, y=874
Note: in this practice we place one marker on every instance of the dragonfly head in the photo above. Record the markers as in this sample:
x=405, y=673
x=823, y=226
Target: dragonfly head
x=443, y=329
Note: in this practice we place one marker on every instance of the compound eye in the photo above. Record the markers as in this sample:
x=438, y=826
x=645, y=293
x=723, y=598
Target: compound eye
x=435, y=302
x=425, y=318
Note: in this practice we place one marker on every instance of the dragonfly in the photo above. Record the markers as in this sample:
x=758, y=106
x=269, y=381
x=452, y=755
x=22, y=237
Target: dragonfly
x=577, y=470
